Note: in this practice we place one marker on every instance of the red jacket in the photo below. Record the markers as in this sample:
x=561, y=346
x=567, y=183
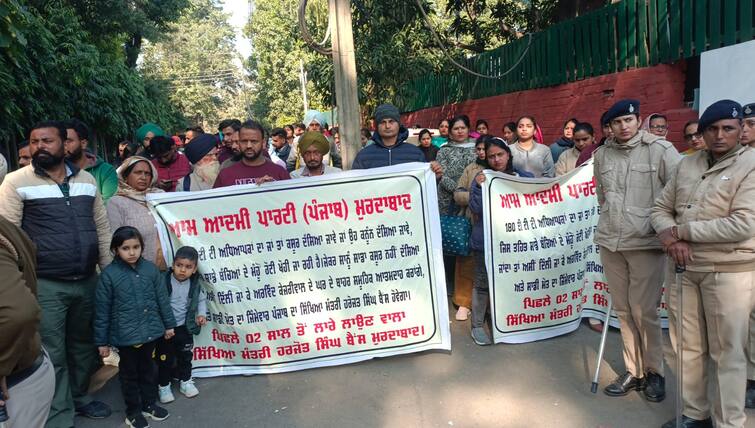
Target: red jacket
x=179, y=169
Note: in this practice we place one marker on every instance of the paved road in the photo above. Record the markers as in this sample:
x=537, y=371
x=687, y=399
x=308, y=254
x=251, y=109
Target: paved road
x=541, y=384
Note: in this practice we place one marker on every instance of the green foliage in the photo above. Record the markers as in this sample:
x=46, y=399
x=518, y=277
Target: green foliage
x=123, y=23
x=197, y=63
x=116, y=17
x=479, y=25
x=392, y=46
x=12, y=29
x=275, y=63
x=51, y=69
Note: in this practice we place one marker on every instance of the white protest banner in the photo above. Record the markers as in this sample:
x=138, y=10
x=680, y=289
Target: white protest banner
x=313, y=272
x=544, y=270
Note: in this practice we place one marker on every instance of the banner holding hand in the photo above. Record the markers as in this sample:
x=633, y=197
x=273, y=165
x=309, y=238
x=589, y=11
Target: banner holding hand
x=314, y=272
x=543, y=268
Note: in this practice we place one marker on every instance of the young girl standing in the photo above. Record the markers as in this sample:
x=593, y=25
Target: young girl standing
x=132, y=311
x=498, y=157
x=528, y=154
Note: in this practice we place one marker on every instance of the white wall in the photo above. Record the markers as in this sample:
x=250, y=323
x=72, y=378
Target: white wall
x=728, y=73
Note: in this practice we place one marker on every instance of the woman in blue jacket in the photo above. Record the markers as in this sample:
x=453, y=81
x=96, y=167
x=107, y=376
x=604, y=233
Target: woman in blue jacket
x=132, y=311
x=498, y=158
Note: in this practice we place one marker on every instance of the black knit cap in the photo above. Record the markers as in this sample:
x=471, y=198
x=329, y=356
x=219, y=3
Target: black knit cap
x=387, y=111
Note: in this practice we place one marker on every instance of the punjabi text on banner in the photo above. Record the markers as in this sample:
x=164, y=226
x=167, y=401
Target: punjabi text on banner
x=313, y=272
x=544, y=270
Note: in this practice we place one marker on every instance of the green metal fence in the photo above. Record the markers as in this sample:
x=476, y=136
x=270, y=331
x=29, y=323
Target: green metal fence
x=628, y=34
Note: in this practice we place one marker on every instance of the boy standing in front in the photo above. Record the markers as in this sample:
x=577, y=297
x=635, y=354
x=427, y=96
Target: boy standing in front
x=189, y=308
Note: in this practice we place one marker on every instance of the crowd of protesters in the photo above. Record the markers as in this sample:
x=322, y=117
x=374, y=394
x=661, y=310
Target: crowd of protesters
x=86, y=275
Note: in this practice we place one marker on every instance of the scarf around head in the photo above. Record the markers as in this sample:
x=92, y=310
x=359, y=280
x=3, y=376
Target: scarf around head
x=646, y=123
x=538, y=134
x=125, y=190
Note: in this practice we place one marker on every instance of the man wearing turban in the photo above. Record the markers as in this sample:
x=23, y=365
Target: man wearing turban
x=313, y=147
x=145, y=134
x=202, y=153
x=314, y=121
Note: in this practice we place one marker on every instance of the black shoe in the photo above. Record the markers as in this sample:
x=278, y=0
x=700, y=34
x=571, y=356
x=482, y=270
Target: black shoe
x=155, y=412
x=137, y=421
x=623, y=384
x=750, y=396
x=94, y=410
x=689, y=423
x=655, y=389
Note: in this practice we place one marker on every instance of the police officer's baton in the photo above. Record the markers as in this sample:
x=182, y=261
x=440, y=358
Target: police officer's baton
x=594, y=387
x=679, y=272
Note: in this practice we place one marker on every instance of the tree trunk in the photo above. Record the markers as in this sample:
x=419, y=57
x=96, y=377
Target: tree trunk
x=133, y=47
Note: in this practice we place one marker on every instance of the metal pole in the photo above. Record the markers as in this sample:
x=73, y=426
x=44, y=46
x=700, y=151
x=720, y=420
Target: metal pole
x=679, y=273
x=603, y=336
x=303, y=80
x=345, y=79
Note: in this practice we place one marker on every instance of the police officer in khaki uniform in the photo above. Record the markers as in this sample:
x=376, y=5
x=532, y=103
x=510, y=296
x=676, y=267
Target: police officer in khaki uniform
x=706, y=222
x=631, y=170
x=748, y=139
x=748, y=125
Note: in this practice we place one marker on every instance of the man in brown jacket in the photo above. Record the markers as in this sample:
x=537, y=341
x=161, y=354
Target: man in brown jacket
x=706, y=222
x=27, y=379
x=631, y=170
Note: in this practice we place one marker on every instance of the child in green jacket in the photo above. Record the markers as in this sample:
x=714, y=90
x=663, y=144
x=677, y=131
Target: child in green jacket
x=132, y=311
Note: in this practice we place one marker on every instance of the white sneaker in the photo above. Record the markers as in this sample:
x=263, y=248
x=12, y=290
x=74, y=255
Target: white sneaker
x=463, y=313
x=165, y=394
x=188, y=389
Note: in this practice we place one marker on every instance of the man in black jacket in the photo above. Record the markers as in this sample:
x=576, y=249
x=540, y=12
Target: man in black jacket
x=389, y=145
x=58, y=206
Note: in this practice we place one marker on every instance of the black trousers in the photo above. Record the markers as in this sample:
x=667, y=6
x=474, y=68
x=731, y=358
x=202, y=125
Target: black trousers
x=449, y=263
x=138, y=375
x=174, y=356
